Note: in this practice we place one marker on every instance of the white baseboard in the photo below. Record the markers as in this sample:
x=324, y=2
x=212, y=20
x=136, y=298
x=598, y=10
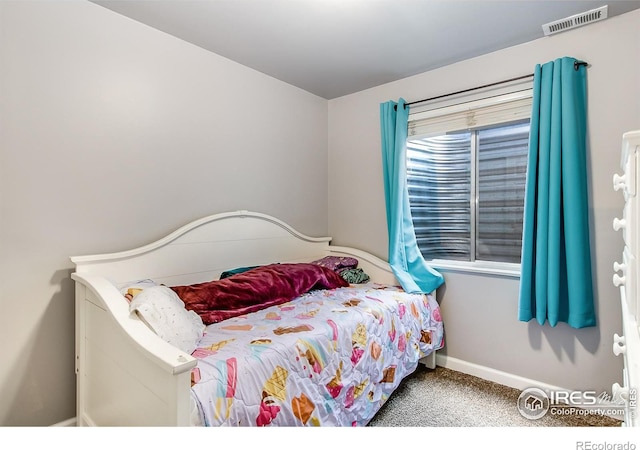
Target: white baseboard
x=498, y=376
x=487, y=373
x=66, y=423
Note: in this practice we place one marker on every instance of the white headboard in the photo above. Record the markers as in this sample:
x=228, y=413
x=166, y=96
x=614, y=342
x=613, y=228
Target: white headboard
x=203, y=249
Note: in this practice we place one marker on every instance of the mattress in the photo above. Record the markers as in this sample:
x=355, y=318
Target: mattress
x=327, y=358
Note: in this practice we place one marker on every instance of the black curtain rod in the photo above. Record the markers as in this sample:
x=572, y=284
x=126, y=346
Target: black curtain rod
x=576, y=66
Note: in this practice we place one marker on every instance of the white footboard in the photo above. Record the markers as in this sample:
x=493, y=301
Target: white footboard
x=126, y=374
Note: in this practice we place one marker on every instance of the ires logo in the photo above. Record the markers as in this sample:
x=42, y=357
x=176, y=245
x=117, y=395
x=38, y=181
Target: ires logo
x=577, y=398
x=534, y=403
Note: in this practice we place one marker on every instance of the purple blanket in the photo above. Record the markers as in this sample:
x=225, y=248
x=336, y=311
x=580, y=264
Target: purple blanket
x=255, y=289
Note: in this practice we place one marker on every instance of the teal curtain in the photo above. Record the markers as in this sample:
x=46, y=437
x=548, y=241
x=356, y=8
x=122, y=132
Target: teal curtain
x=556, y=280
x=405, y=258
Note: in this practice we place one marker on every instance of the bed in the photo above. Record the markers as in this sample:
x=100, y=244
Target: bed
x=323, y=340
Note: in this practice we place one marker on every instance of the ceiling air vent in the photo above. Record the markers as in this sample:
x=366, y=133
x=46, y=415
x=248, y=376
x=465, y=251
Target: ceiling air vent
x=575, y=21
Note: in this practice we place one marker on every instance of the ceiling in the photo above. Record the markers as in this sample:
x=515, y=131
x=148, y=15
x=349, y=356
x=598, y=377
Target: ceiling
x=333, y=48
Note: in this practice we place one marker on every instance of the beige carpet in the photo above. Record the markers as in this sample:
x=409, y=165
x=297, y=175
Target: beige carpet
x=446, y=398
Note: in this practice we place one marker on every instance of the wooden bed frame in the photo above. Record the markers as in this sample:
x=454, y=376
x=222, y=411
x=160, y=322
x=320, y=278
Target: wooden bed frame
x=126, y=374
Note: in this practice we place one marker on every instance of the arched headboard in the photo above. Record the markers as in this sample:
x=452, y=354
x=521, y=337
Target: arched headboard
x=202, y=249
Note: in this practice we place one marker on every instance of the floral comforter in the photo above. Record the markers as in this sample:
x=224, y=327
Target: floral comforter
x=327, y=358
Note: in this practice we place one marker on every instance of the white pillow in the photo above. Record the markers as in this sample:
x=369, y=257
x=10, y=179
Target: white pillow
x=163, y=311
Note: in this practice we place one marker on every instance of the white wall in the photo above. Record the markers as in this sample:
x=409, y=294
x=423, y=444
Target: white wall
x=480, y=312
x=114, y=134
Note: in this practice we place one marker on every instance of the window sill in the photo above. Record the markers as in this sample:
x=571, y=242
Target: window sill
x=479, y=267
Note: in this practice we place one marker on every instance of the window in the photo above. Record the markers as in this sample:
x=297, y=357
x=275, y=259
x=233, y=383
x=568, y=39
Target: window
x=466, y=173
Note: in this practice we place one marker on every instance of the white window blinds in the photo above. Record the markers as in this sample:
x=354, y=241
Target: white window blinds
x=472, y=115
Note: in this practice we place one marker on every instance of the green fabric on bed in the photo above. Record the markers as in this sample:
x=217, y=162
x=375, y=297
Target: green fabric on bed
x=354, y=276
x=228, y=273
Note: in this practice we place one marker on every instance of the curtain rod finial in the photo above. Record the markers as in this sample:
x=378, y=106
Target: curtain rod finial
x=577, y=64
